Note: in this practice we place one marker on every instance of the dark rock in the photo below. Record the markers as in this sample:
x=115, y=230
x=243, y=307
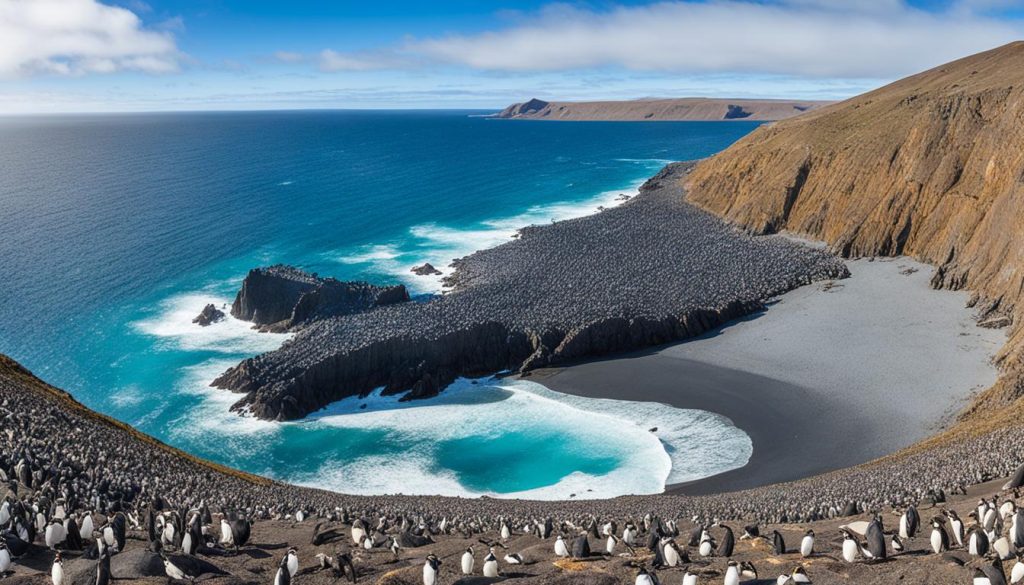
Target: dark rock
x=425, y=270
x=280, y=298
x=210, y=314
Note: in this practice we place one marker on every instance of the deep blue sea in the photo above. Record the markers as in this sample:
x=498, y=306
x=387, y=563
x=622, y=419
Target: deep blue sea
x=115, y=230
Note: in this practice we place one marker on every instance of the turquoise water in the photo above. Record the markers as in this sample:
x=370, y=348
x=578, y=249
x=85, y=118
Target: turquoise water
x=116, y=230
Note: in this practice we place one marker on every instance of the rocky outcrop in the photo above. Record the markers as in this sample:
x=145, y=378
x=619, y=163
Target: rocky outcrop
x=281, y=298
x=649, y=271
x=209, y=315
x=426, y=269
x=927, y=166
x=680, y=109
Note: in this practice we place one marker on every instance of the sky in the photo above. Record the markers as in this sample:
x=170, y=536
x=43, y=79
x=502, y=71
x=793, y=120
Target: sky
x=152, y=55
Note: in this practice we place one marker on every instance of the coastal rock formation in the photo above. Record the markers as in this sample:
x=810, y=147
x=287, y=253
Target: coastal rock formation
x=650, y=271
x=209, y=315
x=426, y=269
x=280, y=298
x=679, y=109
x=921, y=167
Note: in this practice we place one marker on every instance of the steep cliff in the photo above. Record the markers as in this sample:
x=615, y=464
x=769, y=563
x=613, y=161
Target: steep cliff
x=930, y=166
x=676, y=109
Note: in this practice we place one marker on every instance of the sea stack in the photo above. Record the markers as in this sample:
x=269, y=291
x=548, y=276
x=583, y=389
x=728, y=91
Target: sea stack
x=209, y=315
x=280, y=297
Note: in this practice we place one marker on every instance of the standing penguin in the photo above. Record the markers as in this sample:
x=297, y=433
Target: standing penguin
x=728, y=543
x=468, y=562
x=850, y=546
x=957, y=526
x=669, y=552
x=910, y=522
x=1017, y=529
x=645, y=578
x=560, y=548
x=732, y=574
x=292, y=559
x=284, y=576
x=778, y=543
x=875, y=539
x=57, y=571
x=5, y=556
x=977, y=541
x=939, y=538
x=807, y=544
x=103, y=568
x=490, y=564
x=1017, y=572
x=431, y=570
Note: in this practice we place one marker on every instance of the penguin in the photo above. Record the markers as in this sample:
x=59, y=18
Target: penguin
x=514, y=559
x=506, y=533
x=55, y=534
x=957, y=527
x=358, y=531
x=897, y=544
x=560, y=548
x=670, y=552
x=5, y=556
x=468, y=562
x=850, y=546
x=977, y=541
x=609, y=545
x=645, y=578
x=1017, y=571
x=491, y=564
x=728, y=543
x=751, y=531
x=732, y=574
x=292, y=559
x=629, y=534
x=695, y=533
x=990, y=574
x=56, y=571
x=581, y=547
x=799, y=575
x=431, y=570
x=939, y=538
x=284, y=576
x=86, y=529
x=103, y=568
x=875, y=539
x=1017, y=529
x=748, y=571
x=300, y=516
x=778, y=543
x=807, y=544
x=689, y=578
x=707, y=544
x=73, y=536
x=910, y=521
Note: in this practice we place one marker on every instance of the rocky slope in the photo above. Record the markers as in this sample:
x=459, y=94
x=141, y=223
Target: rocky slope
x=679, y=109
x=280, y=298
x=650, y=271
x=929, y=166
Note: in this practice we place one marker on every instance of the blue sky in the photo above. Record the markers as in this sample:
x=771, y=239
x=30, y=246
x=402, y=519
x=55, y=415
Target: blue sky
x=124, y=55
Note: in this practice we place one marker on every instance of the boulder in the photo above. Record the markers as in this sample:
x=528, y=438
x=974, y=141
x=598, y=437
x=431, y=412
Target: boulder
x=209, y=315
x=426, y=269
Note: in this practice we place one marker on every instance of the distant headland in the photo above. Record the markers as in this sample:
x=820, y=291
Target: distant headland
x=675, y=109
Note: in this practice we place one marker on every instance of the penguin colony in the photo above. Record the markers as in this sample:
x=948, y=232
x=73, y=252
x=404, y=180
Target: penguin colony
x=650, y=271
x=86, y=501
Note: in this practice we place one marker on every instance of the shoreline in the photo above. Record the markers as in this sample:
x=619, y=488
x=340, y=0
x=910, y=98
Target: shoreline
x=865, y=405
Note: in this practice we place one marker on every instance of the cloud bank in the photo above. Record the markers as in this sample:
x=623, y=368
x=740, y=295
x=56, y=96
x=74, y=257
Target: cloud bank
x=806, y=38
x=75, y=37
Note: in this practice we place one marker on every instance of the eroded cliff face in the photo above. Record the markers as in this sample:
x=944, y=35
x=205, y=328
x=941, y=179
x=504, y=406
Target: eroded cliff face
x=931, y=166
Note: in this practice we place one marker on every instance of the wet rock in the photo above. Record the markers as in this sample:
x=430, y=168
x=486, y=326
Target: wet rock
x=426, y=269
x=210, y=314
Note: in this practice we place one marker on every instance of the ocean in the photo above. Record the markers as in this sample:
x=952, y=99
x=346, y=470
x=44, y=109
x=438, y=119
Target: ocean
x=116, y=230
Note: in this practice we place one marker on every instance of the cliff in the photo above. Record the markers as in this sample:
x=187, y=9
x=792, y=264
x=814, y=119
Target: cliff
x=929, y=166
x=281, y=297
x=680, y=109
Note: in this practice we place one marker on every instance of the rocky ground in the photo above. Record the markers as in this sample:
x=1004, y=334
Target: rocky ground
x=650, y=271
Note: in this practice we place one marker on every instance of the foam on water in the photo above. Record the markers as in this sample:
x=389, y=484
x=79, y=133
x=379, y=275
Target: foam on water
x=173, y=325
x=440, y=244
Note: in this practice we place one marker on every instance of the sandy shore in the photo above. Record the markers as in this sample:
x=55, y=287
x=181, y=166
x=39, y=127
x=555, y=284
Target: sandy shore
x=830, y=376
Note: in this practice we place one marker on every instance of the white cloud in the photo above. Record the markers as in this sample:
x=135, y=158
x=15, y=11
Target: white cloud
x=807, y=38
x=289, y=57
x=75, y=37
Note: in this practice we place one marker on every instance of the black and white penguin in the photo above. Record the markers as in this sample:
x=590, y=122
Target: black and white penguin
x=55, y=534
x=643, y=577
x=103, y=568
x=778, y=543
x=990, y=574
x=292, y=559
x=73, y=537
x=751, y=531
x=732, y=574
x=977, y=541
x=909, y=523
x=514, y=559
x=799, y=575
x=939, y=538
x=283, y=576
x=897, y=544
x=1017, y=529
x=689, y=578
x=5, y=556
x=431, y=570
x=670, y=552
x=875, y=539
x=850, y=546
x=695, y=533
x=956, y=526
x=561, y=549
x=468, y=563
x=807, y=544
x=505, y=531
x=490, y=564
x=56, y=571
x=1017, y=571
x=728, y=543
